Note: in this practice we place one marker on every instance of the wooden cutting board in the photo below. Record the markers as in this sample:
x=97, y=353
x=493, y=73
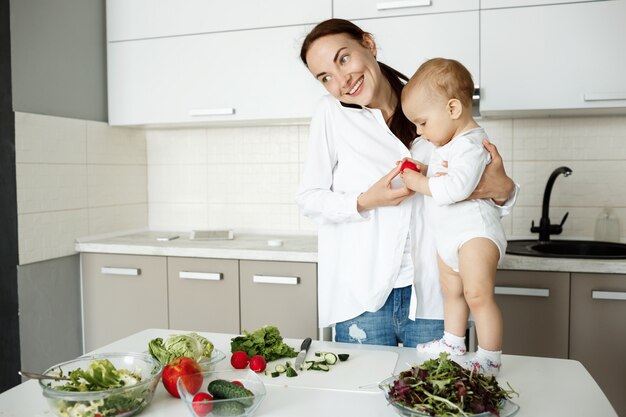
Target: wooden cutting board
x=362, y=372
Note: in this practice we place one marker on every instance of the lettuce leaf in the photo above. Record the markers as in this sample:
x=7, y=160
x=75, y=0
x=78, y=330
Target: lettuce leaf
x=265, y=341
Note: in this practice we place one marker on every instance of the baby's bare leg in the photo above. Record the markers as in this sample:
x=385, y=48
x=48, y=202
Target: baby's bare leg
x=478, y=261
x=455, y=309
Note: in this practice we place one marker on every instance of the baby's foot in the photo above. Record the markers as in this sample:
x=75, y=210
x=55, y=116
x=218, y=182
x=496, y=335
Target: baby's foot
x=438, y=346
x=487, y=364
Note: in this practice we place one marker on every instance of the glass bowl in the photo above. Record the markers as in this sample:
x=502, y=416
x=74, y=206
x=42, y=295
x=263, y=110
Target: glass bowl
x=220, y=407
x=119, y=402
x=208, y=364
x=507, y=408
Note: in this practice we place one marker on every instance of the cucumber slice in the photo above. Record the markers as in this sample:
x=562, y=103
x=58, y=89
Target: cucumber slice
x=343, y=357
x=330, y=358
x=280, y=368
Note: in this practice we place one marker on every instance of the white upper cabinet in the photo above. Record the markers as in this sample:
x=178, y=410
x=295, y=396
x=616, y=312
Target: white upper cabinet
x=367, y=9
x=554, y=59
x=500, y=4
x=404, y=43
x=140, y=19
x=248, y=75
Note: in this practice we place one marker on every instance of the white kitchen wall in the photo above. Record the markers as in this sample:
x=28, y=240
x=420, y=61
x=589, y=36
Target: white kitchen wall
x=76, y=178
x=246, y=177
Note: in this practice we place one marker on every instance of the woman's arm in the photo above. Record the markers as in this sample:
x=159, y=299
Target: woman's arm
x=494, y=183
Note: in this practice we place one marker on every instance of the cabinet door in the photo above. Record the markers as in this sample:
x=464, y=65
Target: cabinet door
x=236, y=76
x=141, y=19
x=598, y=334
x=122, y=294
x=535, y=310
x=555, y=59
x=203, y=294
x=404, y=43
x=283, y=294
x=365, y=9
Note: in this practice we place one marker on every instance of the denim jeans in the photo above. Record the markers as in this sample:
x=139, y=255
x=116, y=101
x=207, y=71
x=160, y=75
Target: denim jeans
x=389, y=325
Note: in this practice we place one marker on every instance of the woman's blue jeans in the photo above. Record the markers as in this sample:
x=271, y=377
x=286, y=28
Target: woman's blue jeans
x=389, y=325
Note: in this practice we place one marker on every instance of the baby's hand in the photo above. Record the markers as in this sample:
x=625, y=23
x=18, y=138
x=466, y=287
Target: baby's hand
x=414, y=180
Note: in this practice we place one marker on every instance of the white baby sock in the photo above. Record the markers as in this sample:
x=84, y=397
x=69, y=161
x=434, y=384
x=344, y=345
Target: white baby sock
x=486, y=362
x=449, y=343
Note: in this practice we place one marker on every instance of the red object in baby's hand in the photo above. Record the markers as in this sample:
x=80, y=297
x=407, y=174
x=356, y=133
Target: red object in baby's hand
x=410, y=165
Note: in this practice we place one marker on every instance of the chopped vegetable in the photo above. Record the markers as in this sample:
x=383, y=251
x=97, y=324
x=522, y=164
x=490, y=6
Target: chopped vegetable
x=265, y=341
x=343, y=357
x=190, y=345
x=442, y=387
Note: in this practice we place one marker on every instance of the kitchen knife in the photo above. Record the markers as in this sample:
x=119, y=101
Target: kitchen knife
x=302, y=354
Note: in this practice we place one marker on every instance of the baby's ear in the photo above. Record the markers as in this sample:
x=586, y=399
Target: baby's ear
x=455, y=108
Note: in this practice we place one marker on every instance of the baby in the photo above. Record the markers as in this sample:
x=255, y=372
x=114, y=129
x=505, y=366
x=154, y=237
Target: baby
x=469, y=237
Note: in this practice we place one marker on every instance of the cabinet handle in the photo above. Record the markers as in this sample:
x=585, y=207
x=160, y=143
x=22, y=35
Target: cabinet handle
x=608, y=295
x=604, y=96
x=267, y=279
x=108, y=270
x=225, y=111
x=527, y=292
x=209, y=276
x=389, y=5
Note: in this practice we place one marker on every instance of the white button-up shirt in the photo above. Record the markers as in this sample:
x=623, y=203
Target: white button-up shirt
x=360, y=254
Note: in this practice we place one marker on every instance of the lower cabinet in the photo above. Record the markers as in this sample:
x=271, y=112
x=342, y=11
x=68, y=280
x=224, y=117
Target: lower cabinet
x=283, y=294
x=535, y=310
x=122, y=294
x=203, y=294
x=598, y=333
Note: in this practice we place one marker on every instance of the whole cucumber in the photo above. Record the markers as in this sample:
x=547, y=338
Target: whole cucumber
x=230, y=408
x=222, y=389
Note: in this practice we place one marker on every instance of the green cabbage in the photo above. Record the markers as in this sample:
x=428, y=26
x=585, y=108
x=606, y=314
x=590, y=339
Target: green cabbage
x=191, y=345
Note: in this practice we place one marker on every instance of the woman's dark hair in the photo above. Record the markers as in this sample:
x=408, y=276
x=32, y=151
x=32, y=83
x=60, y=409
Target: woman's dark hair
x=400, y=125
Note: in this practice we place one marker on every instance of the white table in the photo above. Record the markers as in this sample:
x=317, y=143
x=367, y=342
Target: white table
x=547, y=387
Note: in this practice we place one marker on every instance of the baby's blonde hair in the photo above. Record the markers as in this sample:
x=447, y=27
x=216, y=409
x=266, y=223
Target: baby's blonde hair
x=446, y=77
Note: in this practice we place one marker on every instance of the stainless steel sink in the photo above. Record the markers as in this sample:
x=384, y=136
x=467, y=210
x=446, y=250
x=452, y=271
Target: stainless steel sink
x=587, y=249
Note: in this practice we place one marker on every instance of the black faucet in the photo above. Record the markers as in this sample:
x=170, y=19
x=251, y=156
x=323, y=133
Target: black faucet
x=546, y=229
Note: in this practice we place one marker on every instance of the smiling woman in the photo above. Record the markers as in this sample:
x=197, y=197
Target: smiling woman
x=377, y=270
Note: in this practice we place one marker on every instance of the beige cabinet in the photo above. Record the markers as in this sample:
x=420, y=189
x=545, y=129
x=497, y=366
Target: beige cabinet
x=283, y=294
x=203, y=294
x=535, y=309
x=122, y=294
x=598, y=333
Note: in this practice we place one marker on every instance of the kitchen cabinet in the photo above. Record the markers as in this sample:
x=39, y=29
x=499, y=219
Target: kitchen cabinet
x=367, y=9
x=248, y=75
x=203, y=294
x=500, y=4
x=535, y=310
x=122, y=294
x=597, y=331
x=405, y=42
x=283, y=294
x=553, y=59
x=143, y=19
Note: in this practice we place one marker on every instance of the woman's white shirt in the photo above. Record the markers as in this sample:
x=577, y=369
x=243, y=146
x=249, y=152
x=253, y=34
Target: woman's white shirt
x=360, y=254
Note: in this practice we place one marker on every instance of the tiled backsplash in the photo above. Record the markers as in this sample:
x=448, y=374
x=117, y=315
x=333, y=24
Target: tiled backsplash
x=78, y=178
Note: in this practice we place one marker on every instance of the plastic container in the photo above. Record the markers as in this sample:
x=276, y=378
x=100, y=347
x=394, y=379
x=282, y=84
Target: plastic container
x=607, y=227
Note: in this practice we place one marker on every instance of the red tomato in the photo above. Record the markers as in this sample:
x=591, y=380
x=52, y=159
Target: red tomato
x=239, y=360
x=182, y=366
x=257, y=363
x=202, y=404
x=409, y=165
x=237, y=383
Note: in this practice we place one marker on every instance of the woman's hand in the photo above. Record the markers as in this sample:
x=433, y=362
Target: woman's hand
x=381, y=193
x=494, y=183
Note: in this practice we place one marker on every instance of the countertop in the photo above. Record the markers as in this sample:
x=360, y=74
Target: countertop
x=295, y=248
x=546, y=387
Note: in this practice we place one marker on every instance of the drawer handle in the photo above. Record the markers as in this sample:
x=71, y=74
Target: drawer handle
x=527, y=292
x=120, y=271
x=225, y=111
x=389, y=5
x=268, y=279
x=608, y=295
x=209, y=276
x=604, y=96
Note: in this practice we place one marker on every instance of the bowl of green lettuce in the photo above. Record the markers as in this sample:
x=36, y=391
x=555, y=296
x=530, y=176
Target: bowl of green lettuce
x=105, y=385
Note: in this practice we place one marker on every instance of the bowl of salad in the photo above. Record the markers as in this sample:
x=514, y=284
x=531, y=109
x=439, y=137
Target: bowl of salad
x=103, y=385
